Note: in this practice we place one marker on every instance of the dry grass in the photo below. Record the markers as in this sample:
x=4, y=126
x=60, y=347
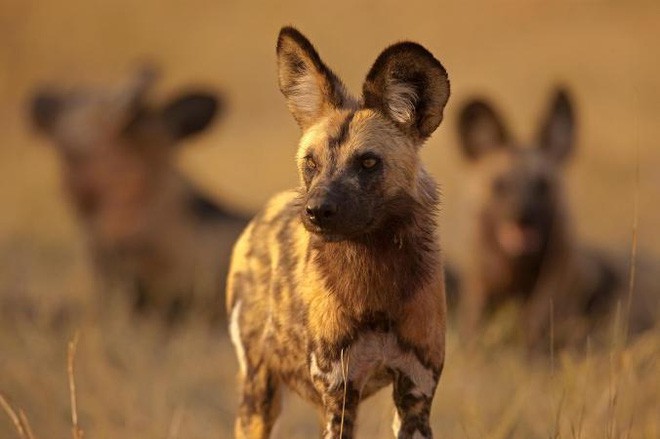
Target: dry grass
x=76, y=431
x=20, y=420
x=344, y=373
x=133, y=382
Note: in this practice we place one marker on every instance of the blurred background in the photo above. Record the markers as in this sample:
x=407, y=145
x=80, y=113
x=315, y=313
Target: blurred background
x=513, y=52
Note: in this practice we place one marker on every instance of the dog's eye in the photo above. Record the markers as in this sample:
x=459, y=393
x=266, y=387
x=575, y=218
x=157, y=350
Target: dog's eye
x=369, y=162
x=310, y=163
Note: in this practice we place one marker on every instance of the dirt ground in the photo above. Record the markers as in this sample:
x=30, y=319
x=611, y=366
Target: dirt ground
x=132, y=383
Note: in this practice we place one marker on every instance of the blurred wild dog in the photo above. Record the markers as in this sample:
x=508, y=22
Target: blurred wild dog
x=151, y=232
x=523, y=246
x=336, y=289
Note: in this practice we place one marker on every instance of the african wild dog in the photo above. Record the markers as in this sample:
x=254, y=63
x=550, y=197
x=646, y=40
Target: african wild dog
x=523, y=247
x=151, y=232
x=336, y=288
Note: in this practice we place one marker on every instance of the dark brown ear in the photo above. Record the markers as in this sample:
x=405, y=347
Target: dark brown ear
x=191, y=113
x=410, y=87
x=310, y=87
x=45, y=109
x=557, y=131
x=481, y=129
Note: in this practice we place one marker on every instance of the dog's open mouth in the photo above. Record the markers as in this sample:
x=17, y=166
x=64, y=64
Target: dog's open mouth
x=519, y=240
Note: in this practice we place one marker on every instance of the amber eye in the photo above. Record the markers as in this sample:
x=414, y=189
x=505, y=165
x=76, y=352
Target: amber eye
x=369, y=162
x=310, y=163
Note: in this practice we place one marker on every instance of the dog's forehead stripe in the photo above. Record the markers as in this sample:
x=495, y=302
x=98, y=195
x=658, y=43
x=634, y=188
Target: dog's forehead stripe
x=342, y=133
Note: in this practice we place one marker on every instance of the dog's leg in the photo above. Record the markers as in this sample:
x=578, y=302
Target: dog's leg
x=260, y=405
x=413, y=407
x=260, y=402
x=340, y=396
x=340, y=411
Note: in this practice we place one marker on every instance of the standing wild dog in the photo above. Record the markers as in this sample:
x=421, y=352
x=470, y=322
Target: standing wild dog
x=151, y=232
x=336, y=289
x=523, y=246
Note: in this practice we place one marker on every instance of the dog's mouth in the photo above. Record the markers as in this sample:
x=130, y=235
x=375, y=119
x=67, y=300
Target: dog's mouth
x=519, y=239
x=336, y=234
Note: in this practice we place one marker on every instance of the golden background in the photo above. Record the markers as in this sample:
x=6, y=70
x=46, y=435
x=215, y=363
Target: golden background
x=513, y=52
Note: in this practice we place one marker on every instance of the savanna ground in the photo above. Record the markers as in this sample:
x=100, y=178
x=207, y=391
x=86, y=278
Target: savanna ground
x=133, y=382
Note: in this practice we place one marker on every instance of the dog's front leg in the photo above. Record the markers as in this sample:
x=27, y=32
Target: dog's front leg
x=412, y=401
x=340, y=397
x=340, y=411
x=259, y=406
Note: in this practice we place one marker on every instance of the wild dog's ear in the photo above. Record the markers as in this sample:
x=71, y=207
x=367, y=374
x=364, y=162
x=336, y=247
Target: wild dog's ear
x=310, y=87
x=557, y=132
x=190, y=113
x=410, y=87
x=45, y=109
x=480, y=129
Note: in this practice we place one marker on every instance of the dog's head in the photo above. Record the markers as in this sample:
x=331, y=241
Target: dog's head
x=115, y=146
x=521, y=182
x=358, y=159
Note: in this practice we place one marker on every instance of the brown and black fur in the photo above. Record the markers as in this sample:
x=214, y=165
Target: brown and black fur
x=522, y=243
x=152, y=233
x=336, y=289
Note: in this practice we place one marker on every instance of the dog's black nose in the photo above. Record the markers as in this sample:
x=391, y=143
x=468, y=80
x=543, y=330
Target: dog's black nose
x=321, y=211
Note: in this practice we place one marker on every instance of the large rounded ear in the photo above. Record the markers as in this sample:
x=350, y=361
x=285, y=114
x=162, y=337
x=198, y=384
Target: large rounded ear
x=45, y=109
x=410, y=87
x=190, y=113
x=481, y=129
x=557, y=130
x=311, y=89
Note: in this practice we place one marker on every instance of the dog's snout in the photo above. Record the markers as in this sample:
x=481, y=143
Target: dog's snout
x=321, y=210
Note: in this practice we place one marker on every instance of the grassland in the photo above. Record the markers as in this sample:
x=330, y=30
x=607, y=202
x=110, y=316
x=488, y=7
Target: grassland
x=134, y=382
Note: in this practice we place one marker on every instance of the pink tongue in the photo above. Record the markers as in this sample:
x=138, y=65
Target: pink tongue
x=517, y=240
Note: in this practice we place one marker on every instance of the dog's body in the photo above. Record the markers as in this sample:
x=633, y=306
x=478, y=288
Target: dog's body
x=151, y=232
x=523, y=247
x=336, y=289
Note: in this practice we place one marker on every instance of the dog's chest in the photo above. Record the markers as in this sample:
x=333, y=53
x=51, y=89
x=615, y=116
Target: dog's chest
x=370, y=363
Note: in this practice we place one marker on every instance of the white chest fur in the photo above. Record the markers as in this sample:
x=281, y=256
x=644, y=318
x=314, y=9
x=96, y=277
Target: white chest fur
x=369, y=358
